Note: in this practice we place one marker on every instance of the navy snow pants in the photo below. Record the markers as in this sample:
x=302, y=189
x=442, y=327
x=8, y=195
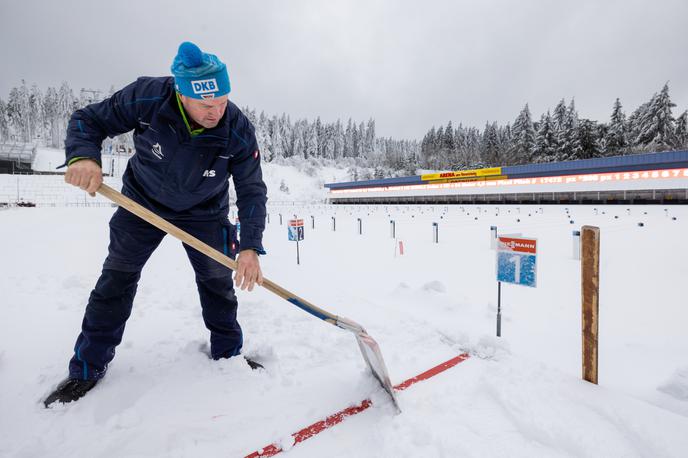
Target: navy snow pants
x=132, y=241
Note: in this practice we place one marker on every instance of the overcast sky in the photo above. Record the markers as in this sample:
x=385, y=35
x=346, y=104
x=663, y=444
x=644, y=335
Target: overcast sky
x=409, y=65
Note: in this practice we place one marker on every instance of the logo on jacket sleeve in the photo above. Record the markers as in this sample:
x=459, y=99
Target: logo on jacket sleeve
x=157, y=150
x=209, y=173
x=204, y=86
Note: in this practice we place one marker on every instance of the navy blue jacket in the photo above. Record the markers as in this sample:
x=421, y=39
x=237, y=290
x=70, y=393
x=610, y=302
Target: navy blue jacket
x=172, y=173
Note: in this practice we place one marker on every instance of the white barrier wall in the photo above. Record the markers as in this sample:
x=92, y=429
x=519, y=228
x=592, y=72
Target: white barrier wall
x=48, y=190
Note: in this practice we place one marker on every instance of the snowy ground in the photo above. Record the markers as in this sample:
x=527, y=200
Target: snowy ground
x=520, y=395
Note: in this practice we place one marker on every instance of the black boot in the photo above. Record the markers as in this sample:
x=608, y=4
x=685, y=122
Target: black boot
x=254, y=365
x=69, y=390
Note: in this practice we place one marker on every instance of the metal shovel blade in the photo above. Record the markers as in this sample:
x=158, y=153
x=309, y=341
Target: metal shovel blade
x=373, y=356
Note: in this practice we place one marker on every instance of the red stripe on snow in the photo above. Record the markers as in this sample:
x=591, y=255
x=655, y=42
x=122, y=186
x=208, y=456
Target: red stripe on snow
x=320, y=426
x=432, y=372
x=315, y=428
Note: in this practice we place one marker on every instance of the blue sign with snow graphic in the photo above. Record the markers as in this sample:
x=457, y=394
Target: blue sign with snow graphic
x=517, y=261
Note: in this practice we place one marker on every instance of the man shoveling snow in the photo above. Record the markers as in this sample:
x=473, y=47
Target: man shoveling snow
x=189, y=140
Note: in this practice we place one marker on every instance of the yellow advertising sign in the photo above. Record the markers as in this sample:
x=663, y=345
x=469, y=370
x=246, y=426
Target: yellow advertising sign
x=461, y=174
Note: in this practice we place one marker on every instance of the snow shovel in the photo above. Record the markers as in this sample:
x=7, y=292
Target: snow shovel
x=369, y=347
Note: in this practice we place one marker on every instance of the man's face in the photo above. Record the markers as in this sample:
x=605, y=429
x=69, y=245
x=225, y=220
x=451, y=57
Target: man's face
x=205, y=112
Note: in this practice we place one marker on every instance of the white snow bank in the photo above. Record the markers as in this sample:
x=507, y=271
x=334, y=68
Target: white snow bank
x=677, y=385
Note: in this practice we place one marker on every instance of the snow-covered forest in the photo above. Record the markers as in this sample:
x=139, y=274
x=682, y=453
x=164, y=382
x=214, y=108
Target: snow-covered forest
x=559, y=135
x=32, y=116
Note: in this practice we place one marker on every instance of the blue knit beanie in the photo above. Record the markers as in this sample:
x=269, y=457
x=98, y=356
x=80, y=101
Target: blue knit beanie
x=199, y=75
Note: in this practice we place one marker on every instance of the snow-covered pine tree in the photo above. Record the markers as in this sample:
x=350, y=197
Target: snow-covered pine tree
x=360, y=140
x=4, y=122
x=474, y=148
x=601, y=140
x=339, y=140
x=300, y=128
x=506, y=138
x=568, y=137
x=18, y=112
x=262, y=131
x=572, y=135
x=633, y=123
x=66, y=105
x=437, y=148
x=682, y=131
x=545, y=140
x=522, y=138
x=328, y=142
x=276, y=138
x=310, y=141
x=560, y=116
x=369, y=141
x=319, y=137
x=448, y=148
x=460, y=155
x=424, y=146
x=36, y=115
x=490, y=154
x=588, y=138
x=349, y=140
x=52, y=117
x=615, y=140
x=656, y=124
x=428, y=149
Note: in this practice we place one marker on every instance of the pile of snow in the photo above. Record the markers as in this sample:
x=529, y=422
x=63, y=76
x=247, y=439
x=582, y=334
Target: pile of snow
x=301, y=182
x=677, y=385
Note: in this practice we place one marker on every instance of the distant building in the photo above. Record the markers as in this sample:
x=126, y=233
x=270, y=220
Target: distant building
x=16, y=157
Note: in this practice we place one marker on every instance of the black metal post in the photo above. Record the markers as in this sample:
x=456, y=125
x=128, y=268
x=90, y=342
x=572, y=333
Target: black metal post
x=499, y=309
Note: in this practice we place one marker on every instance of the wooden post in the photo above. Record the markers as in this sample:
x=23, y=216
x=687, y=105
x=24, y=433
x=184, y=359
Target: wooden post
x=590, y=295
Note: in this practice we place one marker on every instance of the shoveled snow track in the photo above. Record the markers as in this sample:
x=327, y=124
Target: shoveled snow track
x=334, y=419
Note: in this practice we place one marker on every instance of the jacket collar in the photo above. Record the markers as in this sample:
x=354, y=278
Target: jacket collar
x=217, y=136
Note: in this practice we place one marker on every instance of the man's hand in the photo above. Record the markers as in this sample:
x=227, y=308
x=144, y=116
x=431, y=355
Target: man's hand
x=248, y=271
x=86, y=174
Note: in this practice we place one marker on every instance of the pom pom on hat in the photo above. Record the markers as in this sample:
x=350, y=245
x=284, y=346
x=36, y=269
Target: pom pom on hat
x=190, y=54
x=199, y=75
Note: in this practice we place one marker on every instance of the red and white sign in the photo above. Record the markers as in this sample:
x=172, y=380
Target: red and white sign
x=517, y=245
x=296, y=222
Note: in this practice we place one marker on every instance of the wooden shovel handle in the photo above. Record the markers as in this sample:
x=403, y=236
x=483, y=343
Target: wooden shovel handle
x=164, y=225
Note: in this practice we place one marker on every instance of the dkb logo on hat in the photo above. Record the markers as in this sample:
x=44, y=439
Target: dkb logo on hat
x=204, y=86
